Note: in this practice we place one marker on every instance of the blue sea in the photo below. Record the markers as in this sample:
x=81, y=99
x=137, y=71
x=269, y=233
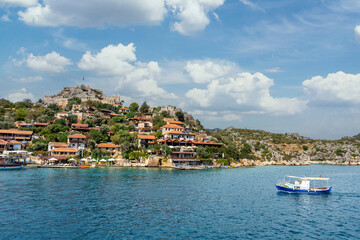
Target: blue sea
x=153, y=203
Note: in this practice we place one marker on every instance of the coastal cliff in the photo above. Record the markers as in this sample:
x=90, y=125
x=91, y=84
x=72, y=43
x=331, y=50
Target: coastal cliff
x=256, y=147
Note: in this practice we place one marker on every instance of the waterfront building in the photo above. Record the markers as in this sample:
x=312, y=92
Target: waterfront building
x=77, y=141
x=53, y=145
x=110, y=147
x=15, y=134
x=145, y=140
x=179, y=135
x=170, y=128
x=64, y=152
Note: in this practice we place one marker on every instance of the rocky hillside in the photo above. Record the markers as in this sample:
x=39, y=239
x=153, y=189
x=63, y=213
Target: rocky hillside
x=290, y=148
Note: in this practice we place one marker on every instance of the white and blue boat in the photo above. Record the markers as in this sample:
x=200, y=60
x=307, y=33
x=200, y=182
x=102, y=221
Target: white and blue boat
x=313, y=185
x=9, y=163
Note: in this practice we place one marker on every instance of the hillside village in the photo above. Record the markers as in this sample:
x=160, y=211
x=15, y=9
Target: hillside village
x=81, y=125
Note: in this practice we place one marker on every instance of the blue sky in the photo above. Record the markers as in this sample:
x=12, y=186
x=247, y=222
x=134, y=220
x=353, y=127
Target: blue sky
x=276, y=65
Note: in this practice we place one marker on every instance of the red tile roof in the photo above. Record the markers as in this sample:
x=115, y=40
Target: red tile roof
x=58, y=144
x=172, y=126
x=107, y=145
x=175, y=122
x=148, y=137
x=15, y=131
x=77, y=136
x=73, y=150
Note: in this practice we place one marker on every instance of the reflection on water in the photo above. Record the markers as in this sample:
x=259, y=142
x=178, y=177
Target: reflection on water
x=152, y=203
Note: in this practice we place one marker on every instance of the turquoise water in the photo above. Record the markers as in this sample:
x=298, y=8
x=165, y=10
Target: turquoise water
x=151, y=203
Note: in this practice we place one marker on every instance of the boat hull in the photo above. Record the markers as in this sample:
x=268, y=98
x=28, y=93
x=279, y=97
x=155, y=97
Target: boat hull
x=311, y=191
x=10, y=167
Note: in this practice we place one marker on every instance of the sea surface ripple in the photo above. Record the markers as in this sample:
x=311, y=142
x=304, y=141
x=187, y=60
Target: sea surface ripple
x=152, y=203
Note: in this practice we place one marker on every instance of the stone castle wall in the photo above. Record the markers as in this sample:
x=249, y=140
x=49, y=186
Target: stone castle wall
x=83, y=92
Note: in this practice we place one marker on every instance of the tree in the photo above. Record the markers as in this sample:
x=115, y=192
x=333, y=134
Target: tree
x=158, y=122
x=53, y=106
x=144, y=108
x=43, y=119
x=71, y=102
x=72, y=119
x=134, y=107
x=180, y=116
x=91, y=144
x=33, y=114
x=62, y=136
x=95, y=135
x=21, y=114
x=104, y=129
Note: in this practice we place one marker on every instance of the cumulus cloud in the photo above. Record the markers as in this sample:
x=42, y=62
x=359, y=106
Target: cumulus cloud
x=335, y=88
x=357, y=33
x=117, y=63
x=94, y=13
x=243, y=92
x=50, y=63
x=20, y=95
x=19, y=3
x=192, y=14
x=207, y=70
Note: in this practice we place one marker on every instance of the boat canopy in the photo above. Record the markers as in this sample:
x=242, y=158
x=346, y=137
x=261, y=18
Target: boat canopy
x=310, y=178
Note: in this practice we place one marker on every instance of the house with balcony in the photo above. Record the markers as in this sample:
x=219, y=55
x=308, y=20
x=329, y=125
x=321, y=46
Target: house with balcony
x=77, y=141
x=15, y=134
x=170, y=128
x=53, y=145
x=109, y=147
x=179, y=135
x=64, y=152
x=145, y=126
x=145, y=140
x=184, y=156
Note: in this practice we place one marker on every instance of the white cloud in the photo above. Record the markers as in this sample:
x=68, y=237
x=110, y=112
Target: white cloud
x=223, y=116
x=192, y=14
x=117, y=63
x=251, y=4
x=207, y=70
x=357, y=33
x=20, y=95
x=20, y=3
x=111, y=60
x=274, y=70
x=29, y=79
x=335, y=88
x=94, y=13
x=5, y=18
x=243, y=93
x=51, y=62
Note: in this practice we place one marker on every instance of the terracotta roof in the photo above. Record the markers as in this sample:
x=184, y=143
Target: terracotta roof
x=59, y=144
x=125, y=108
x=41, y=124
x=172, y=126
x=180, y=133
x=175, y=122
x=73, y=150
x=79, y=125
x=77, y=136
x=107, y=145
x=148, y=137
x=2, y=142
x=15, y=131
x=14, y=142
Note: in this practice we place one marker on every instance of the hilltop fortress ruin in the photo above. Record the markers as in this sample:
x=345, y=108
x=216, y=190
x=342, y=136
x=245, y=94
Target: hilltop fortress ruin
x=83, y=92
